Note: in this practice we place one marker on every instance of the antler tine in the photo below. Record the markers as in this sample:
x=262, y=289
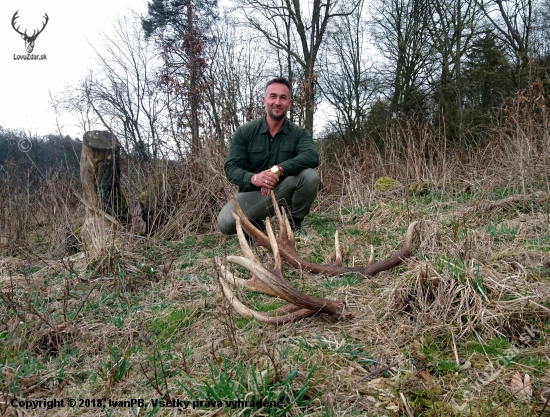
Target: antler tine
x=252, y=284
x=249, y=228
x=290, y=235
x=338, y=249
x=43, y=25
x=242, y=240
x=286, y=235
x=371, y=257
x=265, y=317
x=274, y=247
x=277, y=209
x=397, y=258
x=13, y=19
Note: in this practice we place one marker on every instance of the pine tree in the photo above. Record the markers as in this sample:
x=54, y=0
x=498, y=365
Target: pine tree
x=180, y=27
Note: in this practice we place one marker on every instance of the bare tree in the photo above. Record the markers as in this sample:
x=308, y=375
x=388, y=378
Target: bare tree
x=121, y=96
x=179, y=28
x=540, y=37
x=513, y=21
x=235, y=78
x=400, y=28
x=74, y=101
x=346, y=79
x=454, y=25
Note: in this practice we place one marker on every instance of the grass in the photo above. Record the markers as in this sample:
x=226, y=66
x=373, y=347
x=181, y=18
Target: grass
x=241, y=391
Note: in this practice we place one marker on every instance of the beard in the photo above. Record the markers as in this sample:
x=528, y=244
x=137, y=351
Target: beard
x=274, y=116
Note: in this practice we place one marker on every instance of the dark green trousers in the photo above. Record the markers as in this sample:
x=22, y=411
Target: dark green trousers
x=297, y=193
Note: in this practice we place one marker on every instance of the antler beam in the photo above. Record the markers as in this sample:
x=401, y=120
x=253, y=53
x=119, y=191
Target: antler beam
x=35, y=32
x=13, y=19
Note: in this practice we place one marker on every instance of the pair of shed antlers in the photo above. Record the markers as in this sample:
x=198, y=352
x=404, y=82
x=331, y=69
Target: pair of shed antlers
x=272, y=282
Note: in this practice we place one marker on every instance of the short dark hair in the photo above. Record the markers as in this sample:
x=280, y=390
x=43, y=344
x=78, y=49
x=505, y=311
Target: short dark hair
x=279, y=80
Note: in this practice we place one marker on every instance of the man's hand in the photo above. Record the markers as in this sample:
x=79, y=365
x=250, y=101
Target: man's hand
x=267, y=180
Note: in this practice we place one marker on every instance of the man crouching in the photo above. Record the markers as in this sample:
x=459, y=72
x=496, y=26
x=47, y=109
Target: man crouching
x=271, y=153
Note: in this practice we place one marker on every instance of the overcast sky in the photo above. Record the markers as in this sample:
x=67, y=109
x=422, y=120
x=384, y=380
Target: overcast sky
x=73, y=25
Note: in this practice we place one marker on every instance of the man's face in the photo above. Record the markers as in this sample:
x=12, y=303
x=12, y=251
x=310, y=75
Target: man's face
x=277, y=101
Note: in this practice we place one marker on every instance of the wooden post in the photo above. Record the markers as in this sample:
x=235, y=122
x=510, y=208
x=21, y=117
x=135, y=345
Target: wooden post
x=101, y=194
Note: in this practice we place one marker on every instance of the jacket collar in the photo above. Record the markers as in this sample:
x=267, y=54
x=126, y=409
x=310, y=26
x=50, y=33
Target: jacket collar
x=285, y=128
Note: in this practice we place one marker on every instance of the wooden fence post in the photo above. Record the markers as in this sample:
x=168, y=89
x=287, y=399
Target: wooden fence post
x=101, y=194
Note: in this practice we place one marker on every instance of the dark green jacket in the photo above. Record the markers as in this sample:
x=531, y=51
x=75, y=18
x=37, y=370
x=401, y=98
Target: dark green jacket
x=252, y=150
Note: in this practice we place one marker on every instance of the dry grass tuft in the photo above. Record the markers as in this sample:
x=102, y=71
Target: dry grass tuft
x=179, y=197
x=485, y=210
x=467, y=297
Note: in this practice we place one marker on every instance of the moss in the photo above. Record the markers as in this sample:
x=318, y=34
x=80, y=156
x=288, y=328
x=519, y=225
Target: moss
x=36, y=237
x=386, y=184
x=143, y=198
x=98, y=139
x=428, y=402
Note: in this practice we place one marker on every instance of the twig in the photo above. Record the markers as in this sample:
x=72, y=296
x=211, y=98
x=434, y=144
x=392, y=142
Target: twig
x=545, y=405
x=378, y=371
x=155, y=383
x=454, y=349
x=84, y=301
x=406, y=404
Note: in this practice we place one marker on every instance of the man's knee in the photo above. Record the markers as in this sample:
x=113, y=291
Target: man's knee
x=226, y=222
x=310, y=179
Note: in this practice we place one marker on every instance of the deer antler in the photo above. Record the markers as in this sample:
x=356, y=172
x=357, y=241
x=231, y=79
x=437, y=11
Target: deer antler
x=13, y=19
x=35, y=35
x=35, y=32
x=273, y=283
x=29, y=40
x=287, y=248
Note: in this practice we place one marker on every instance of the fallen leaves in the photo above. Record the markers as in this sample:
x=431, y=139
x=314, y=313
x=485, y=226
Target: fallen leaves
x=520, y=388
x=425, y=375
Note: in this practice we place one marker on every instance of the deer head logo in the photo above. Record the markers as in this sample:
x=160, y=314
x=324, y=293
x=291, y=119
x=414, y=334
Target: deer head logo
x=29, y=40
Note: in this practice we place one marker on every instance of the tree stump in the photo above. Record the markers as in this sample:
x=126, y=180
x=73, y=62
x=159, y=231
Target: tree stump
x=101, y=194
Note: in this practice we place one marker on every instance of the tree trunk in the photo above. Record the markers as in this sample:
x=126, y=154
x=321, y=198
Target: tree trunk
x=100, y=178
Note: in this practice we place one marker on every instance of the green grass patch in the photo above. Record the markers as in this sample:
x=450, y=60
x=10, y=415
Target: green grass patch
x=535, y=363
x=491, y=347
x=259, y=388
x=166, y=325
x=346, y=280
